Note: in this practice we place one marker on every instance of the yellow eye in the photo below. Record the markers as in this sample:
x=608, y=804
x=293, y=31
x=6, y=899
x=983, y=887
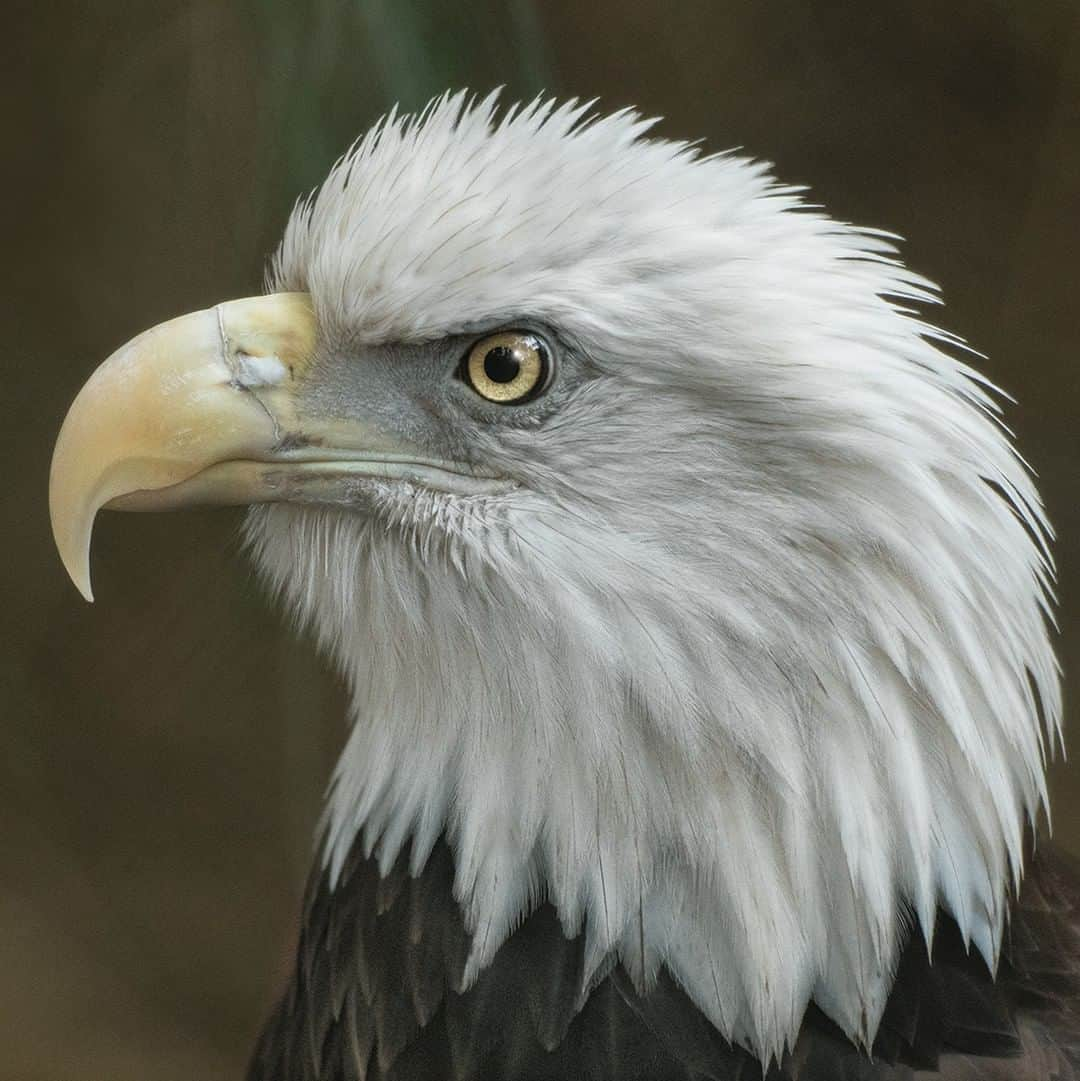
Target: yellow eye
x=508, y=368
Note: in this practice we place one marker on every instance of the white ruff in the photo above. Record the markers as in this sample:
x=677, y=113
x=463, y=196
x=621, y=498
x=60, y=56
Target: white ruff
x=744, y=679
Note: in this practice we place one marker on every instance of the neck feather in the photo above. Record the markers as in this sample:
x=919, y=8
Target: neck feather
x=693, y=788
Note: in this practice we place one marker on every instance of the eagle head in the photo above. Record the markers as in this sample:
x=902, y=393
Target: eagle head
x=682, y=576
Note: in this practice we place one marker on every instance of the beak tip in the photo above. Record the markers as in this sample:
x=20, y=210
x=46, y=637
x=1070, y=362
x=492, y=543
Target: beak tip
x=72, y=540
x=78, y=570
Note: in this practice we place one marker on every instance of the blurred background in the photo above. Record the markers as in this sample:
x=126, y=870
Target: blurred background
x=164, y=751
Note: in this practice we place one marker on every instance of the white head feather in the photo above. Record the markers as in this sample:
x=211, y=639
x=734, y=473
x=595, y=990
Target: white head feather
x=752, y=672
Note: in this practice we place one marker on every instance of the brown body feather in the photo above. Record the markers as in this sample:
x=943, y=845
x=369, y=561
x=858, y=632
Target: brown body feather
x=376, y=995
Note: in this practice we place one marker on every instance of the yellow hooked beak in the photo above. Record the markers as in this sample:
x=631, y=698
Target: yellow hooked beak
x=204, y=409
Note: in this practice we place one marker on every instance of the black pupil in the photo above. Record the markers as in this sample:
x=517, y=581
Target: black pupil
x=500, y=364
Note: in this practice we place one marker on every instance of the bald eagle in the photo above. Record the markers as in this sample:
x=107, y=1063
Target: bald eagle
x=692, y=600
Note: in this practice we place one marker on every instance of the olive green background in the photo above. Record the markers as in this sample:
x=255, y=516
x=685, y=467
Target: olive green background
x=164, y=751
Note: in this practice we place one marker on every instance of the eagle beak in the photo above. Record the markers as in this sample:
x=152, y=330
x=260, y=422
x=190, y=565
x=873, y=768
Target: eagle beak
x=209, y=409
x=195, y=410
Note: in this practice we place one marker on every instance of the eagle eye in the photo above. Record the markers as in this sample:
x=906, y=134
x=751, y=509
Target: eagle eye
x=509, y=368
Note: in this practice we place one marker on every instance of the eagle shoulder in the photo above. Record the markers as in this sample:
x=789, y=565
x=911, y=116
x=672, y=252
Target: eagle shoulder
x=376, y=993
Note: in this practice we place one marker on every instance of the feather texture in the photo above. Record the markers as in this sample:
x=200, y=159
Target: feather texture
x=532, y=1016
x=753, y=661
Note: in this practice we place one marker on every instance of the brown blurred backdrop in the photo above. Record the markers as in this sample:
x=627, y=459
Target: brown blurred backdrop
x=164, y=751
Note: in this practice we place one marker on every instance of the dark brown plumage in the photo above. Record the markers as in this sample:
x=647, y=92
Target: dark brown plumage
x=376, y=997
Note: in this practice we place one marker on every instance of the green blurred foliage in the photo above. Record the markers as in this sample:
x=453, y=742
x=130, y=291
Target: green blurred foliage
x=328, y=69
